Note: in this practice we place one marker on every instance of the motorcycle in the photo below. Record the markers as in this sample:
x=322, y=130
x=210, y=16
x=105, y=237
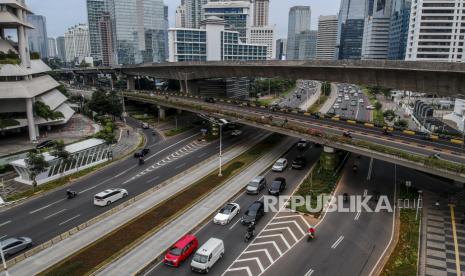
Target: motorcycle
x=141, y=161
x=249, y=236
x=310, y=235
x=71, y=194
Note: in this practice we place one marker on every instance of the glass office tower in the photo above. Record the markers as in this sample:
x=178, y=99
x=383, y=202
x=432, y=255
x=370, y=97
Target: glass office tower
x=95, y=11
x=139, y=30
x=351, y=25
x=299, y=22
x=398, y=31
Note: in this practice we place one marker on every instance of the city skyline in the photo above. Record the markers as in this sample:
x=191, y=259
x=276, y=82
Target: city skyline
x=63, y=14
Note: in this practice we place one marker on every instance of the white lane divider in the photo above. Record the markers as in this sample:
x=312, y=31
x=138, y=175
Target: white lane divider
x=5, y=223
x=232, y=226
x=46, y=206
x=336, y=243
x=310, y=272
x=68, y=220
x=357, y=216
x=3, y=237
x=54, y=214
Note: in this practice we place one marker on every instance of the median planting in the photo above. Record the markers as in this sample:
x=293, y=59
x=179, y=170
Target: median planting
x=109, y=247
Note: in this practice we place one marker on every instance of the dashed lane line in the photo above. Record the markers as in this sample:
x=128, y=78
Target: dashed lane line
x=68, y=220
x=5, y=223
x=337, y=242
x=54, y=214
x=45, y=207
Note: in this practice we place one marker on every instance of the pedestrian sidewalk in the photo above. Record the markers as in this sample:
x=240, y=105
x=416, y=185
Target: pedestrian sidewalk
x=331, y=100
x=155, y=245
x=438, y=255
x=57, y=252
x=312, y=99
x=126, y=143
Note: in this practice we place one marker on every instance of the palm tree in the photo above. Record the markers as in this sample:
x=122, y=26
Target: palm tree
x=35, y=162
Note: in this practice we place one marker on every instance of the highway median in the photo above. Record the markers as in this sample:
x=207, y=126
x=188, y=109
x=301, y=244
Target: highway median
x=119, y=241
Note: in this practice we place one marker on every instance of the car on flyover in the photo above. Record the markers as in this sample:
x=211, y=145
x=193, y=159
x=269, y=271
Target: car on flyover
x=236, y=132
x=227, y=213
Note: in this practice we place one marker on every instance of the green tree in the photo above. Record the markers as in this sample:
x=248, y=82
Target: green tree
x=401, y=123
x=59, y=151
x=44, y=111
x=104, y=102
x=35, y=55
x=35, y=163
x=378, y=106
x=326, y=88
x=389, y=115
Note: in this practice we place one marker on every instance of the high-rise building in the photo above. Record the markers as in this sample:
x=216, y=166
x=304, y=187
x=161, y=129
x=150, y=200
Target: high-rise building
x=351, y=24
x=95, y=10
x=261, y=12
x=437, y=31
x=299, y=21
x=52, y=47
x=398, y=29
x=61, y=48
x=194, y=13
x=181, y=16
x=77, y=45
x=38, y=36
x=213, y=42
x=281, y=47
x=24, y=81
x=376, y=31
x=307, y=45
x=106, y=39
x=236, y=14
x=327, y=38
x=138, y=30
x=264, y=35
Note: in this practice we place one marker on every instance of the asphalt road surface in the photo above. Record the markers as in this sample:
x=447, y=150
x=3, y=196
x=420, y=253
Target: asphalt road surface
x=52, y=214
x=233, y=233
x=298, y=97
x=351, y=108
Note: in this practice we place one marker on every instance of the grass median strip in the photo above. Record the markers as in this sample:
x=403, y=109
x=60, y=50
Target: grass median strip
x=108, y=247
x=179, y=130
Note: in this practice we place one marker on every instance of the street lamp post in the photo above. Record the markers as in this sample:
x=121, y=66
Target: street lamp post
x=221, y=151
x=3, y=260
x=463, y=133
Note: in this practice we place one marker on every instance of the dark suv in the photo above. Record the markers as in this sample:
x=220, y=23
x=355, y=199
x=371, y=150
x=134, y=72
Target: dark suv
x=299, y=162
x=254, y=213
x=277, y=186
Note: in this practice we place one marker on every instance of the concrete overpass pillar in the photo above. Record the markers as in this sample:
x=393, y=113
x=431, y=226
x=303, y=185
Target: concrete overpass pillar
x=131, y=83
x=112, y=82
x=161, y=113
x=30, y=120
x=328, y=159
x=182, y=84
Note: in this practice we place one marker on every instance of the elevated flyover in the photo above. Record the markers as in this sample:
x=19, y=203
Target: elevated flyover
x=441, y=78
x=400, y=148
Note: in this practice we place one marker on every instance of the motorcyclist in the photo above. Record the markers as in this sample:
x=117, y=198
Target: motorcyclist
x=311, y=233
x=70, y=193
x=251, y=229
x=141, y=160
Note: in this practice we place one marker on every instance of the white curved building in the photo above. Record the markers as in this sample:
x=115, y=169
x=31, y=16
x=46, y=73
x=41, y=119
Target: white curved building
x=23, y=81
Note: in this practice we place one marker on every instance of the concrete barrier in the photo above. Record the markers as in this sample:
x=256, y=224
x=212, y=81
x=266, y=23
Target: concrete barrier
x=369, y=125
x=351, y=122
x=456, y=141
x=409, y=132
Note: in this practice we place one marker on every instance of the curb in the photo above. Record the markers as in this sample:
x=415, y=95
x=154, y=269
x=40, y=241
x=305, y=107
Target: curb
x=102, y=216
x=208, y=217
x=90, y=174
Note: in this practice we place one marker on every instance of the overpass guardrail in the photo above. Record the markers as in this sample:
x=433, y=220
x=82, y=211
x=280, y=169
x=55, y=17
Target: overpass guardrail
x=326, y=138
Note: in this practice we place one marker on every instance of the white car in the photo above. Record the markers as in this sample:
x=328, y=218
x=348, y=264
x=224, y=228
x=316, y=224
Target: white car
x=370, y=107
x=109, y=196
x=280, y=165
x=339, y=100
x=236, y=132
x=361, y=101
x=223, y=121
x=355, y=94
x=336, y=106
x=227, y=213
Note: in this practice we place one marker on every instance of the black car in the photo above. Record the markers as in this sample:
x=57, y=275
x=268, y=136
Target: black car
x=277, y=186
x=141, y=153
x=45, y=144
x=254, y=213
x=299, y=162
x=209, y=100
x=302, y=144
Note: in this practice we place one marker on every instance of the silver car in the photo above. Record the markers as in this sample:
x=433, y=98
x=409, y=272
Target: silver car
x=256, y=185
x=12, y=246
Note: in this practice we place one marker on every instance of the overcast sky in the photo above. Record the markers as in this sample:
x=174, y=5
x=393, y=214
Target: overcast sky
x=62, y=14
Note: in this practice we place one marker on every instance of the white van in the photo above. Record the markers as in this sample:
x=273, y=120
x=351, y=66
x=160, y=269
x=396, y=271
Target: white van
x=207, y=255
x=109, y=196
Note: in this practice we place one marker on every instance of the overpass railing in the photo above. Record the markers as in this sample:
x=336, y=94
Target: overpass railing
x=437, y=164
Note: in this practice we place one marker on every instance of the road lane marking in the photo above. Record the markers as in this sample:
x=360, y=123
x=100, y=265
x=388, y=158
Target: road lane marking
x=5, y=223
x=153, y=179
x=54, y=214
x=287, y=222
x=180, y=166
x=357, y=216
x=2, y=237
x=276, y=235
x=336, y=243
x=456, y=244
x=68, y=220
x=88, y=189
x=175, y=144
x=253, y=259
x=246, y=268
x=44, y=207
x=230, y=228
x=310, y=272
x=202, y=155
x=261, y=250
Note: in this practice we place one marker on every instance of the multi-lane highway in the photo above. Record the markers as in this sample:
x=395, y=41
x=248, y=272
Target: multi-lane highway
x=52, y=214
x=304, y=90
x=351, y=103
x=233, y=233
x=398, y=140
